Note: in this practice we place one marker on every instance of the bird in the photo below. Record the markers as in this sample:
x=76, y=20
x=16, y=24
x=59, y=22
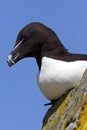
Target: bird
x=59, y=69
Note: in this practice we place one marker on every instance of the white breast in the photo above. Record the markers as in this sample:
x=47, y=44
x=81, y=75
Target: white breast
x=56, y=77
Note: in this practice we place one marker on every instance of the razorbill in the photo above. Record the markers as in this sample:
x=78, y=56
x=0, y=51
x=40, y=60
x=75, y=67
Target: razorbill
x=59, y=70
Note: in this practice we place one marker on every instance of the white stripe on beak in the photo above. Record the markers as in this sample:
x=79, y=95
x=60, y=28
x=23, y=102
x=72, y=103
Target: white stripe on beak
x=9, y=59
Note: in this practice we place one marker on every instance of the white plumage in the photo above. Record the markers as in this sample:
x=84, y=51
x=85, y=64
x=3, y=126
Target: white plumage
x=57, y=77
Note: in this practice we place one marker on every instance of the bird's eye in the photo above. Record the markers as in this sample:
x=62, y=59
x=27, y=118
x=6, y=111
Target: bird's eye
x=26, y=38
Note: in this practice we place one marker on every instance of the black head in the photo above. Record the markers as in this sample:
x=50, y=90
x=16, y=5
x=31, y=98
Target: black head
x=34, y=40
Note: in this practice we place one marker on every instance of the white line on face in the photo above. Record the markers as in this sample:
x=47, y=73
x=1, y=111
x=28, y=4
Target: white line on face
x=18, y=44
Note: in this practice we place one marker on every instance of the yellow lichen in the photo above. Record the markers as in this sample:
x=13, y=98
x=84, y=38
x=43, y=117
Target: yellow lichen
x=82, y=121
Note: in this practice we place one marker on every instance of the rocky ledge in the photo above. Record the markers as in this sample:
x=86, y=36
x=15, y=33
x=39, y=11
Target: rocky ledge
x=70, y=111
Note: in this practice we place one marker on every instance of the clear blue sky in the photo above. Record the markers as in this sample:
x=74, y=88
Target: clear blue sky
x=21, y=102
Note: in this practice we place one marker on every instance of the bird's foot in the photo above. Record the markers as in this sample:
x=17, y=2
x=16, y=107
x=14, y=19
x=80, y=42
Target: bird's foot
x=50, y=103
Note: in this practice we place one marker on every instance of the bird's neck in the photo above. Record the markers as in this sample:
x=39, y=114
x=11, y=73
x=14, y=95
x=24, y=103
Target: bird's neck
x=53, y=50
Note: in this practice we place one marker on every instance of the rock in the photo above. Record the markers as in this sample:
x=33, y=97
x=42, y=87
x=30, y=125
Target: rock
x=70, y=111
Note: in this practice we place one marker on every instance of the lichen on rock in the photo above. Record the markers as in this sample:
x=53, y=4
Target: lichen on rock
x=70, y=111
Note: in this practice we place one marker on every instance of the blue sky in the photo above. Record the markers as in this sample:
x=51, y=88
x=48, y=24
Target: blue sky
x=21, y=102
